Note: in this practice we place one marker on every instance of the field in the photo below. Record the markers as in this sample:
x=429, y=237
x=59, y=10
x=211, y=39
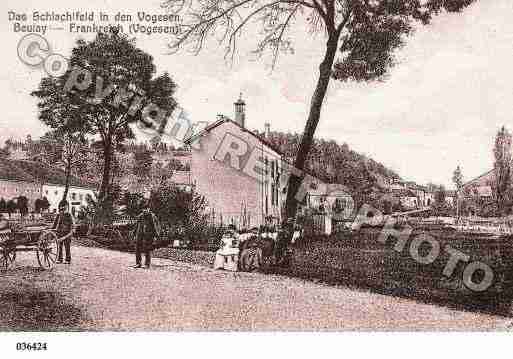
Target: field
x=360, y=260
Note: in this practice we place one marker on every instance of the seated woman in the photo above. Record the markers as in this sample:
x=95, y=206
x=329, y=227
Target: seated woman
x=227, y=255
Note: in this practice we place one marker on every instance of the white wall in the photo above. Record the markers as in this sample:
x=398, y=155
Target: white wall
x=76, y=196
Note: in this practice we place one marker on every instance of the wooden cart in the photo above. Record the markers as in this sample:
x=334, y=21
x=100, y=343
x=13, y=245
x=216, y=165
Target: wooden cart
x=30, y=239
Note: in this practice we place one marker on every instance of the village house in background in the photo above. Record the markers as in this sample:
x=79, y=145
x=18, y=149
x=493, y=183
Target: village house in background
x=33, y=180
x=411, y=195
x=480, y=187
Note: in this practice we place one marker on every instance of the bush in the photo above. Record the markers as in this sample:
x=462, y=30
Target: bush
x=181, y=213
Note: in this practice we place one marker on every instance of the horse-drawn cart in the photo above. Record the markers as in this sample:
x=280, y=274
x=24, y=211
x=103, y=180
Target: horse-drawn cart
x=29, y=239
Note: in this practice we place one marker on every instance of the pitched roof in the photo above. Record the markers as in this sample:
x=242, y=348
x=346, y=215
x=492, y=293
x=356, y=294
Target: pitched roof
x=9, y=171
x=47, y=174
x=225, y=119
x=490, y=172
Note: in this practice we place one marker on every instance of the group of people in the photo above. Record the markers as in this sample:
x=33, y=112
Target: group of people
x=148, y=229
x=252, y=248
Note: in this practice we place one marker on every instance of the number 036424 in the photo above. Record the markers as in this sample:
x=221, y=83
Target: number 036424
x=31, y=346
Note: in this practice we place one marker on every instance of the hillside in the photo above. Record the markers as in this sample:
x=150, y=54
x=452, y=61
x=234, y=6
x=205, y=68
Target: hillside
x=335, y=163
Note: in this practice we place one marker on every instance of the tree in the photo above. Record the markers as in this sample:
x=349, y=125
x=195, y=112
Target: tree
x=10, y=207
x=440, y=206
x=45, y=204
x=143, y=162
x=22, y=205
x=363, y=33
x=37, y=205
x=457, y=179
x=118, y=71
x=177, y=208
x=64, y=146
x=502, y=167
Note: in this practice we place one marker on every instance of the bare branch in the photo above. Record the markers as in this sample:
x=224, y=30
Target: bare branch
x=280, y=37
x=232, y=40
x=207, y=21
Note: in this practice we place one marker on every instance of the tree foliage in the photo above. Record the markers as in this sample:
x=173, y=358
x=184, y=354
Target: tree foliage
x=11, y=207
x=66, y=147
x=457, y=178
x=502, y=166
x=22, y=205
x=334, y=163
x=117, y=68
x=180, y=211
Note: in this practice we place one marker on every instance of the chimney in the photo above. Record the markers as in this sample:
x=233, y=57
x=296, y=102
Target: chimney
x=267, y=132
x=240, y=112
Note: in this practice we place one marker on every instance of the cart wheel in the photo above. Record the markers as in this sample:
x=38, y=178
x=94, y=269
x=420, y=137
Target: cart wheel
x=7, y=258
x=47, y=249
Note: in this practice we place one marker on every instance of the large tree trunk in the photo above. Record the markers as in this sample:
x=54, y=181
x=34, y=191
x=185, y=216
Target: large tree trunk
x=107, y=161
x=99, y=217
x=68, y=175
x=325, y=69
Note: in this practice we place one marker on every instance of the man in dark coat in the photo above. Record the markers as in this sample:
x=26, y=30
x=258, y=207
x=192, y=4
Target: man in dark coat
x=146, y=232
x=63, y=226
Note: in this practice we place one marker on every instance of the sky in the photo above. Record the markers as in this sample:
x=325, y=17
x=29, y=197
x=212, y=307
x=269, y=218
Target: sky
x=440, y=106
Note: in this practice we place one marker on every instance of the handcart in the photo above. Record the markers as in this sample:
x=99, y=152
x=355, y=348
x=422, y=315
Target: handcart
x=38, y=239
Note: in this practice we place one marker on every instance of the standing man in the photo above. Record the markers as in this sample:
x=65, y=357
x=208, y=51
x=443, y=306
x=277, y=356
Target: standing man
x=63, y=226
x=147, y=230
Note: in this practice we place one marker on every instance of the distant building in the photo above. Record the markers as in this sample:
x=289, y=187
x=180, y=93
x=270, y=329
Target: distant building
x=450, y=198
x=34, y=180
x=329, y=198
x=411, y=195
x=480, y=187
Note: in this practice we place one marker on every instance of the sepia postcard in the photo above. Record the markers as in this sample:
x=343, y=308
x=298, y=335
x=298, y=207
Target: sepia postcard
x=171, y=167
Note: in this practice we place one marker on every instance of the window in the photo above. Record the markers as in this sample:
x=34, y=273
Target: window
x=73, y=196
x=46, y=192
x=81, y=196
x=56, y=193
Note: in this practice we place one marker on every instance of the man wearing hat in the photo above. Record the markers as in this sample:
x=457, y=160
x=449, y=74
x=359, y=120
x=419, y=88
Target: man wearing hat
x=63, y=226
x=147, y=230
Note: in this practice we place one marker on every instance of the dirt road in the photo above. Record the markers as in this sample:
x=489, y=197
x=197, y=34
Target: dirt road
x=100, y=291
